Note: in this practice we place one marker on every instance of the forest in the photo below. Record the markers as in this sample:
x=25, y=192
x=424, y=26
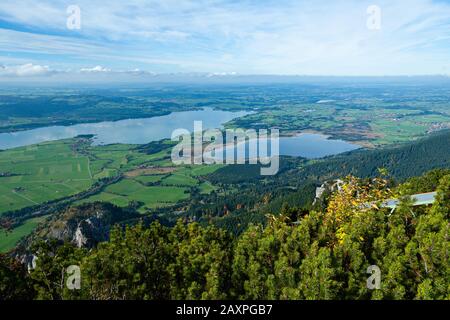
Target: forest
x=296, y=183
x=296, y=254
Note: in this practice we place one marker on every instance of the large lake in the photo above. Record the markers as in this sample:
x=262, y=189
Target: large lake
x=140, y=131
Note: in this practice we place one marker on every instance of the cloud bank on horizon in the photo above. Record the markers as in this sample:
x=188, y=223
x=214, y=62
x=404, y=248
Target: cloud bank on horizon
x=224, y=37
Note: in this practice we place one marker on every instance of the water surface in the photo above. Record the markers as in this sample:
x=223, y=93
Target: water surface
x=131, y=131
x=311, y=145
x=141, y=131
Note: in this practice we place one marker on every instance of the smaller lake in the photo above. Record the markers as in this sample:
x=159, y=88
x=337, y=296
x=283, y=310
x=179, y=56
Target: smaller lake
x=311, y=146
x=306, y=145
x=141, y=131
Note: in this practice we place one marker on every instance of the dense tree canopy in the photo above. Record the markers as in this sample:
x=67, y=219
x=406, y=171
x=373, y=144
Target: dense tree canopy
x=323, y=255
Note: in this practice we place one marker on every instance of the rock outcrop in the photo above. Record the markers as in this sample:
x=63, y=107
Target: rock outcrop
x=86, y=225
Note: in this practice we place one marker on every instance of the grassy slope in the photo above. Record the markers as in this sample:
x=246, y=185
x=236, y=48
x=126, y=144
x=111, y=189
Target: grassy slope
x=9, y=240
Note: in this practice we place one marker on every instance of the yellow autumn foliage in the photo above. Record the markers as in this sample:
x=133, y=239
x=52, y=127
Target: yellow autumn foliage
x=355, y=197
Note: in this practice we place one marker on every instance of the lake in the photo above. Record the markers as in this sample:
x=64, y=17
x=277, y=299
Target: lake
x=131, y=131
x=141, y=131
x=311, y=146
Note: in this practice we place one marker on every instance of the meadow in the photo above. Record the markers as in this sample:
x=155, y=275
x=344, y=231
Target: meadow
x=50, y=171
x=36, y=174
x=9, y=239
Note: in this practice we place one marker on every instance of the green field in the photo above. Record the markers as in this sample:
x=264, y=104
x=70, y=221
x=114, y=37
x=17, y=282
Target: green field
x=374, y=121
x=156, y=191
x=41, y=173
x=207, y=187
x=126, y=191
x=8, y=240
x=153, y=190
x=180, y=179
x=56, y=170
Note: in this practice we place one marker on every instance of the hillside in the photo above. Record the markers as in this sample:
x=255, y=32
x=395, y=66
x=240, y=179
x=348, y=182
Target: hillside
x=296, y=183
x=402, y=162
x=326, y=255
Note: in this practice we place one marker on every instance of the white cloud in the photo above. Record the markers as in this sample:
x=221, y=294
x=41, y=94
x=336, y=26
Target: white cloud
x=269, y=37
x=95, y=69
x=222, y=74
x=25, y=70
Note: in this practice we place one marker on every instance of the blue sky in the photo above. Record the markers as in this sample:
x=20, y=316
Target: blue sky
x=218, y=37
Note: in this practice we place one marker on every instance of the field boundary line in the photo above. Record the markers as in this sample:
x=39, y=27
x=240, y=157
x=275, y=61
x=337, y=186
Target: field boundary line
x=89, y=167
x=24, y=197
